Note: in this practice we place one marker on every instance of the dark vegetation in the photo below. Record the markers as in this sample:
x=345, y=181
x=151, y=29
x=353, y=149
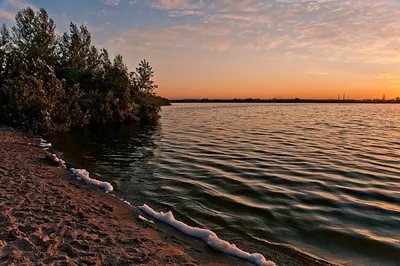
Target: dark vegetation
x=50, y=83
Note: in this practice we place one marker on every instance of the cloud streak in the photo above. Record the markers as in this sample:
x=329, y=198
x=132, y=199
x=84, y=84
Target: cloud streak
x=4, y=14
x=317, y=72
x=392, y=79
x=111, y=2
x=177, y=4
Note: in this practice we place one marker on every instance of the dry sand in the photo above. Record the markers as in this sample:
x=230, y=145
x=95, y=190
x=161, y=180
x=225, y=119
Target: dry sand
x=47, y=217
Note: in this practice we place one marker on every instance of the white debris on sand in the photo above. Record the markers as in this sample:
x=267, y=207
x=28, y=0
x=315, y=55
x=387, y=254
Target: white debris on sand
x=126, y=202
x=208, y=236
x=82, y=174
x=43, y=144
x=145, y=219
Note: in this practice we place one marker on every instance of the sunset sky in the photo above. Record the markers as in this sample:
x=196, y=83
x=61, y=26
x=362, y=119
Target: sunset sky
x=248, y=48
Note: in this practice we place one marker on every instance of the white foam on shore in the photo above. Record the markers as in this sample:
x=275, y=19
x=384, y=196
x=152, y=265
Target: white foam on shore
x=82, y=174
x=145, y=219
x=43, y=144
x=126, y=202
x=208, y=236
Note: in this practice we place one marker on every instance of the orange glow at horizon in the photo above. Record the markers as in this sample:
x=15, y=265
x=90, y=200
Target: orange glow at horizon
x=288, y=79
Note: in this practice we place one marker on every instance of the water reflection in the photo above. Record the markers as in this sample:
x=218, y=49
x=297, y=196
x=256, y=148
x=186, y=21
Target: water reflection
x=121, y=154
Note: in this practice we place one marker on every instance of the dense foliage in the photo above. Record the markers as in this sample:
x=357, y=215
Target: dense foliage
x=51, y=83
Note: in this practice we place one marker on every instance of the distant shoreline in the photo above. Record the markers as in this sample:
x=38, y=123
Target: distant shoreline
x=296, y=100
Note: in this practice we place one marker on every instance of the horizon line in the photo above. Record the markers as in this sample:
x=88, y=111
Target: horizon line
x=281, y=99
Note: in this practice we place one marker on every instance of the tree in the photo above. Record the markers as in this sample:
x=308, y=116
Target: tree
x=34, y=39
x=4, y=50
x=119, y=77
x=143, y=78
x=34, y=101
x=4, y=61
x=78, y=58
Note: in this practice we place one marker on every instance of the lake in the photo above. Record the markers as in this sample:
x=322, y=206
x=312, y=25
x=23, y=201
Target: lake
x=323, y=179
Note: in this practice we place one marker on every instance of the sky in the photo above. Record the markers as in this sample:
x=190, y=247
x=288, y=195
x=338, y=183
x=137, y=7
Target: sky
x=245, y=48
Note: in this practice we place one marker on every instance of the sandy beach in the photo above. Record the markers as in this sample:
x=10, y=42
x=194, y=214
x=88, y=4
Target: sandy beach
x=47, y=217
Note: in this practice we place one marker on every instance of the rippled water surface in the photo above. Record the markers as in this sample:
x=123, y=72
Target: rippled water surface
x=323, y=178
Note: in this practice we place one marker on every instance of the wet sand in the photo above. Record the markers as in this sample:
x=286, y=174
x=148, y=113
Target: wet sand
x=47, y=217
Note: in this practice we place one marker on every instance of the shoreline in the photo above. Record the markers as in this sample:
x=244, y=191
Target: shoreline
x=49, y=217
